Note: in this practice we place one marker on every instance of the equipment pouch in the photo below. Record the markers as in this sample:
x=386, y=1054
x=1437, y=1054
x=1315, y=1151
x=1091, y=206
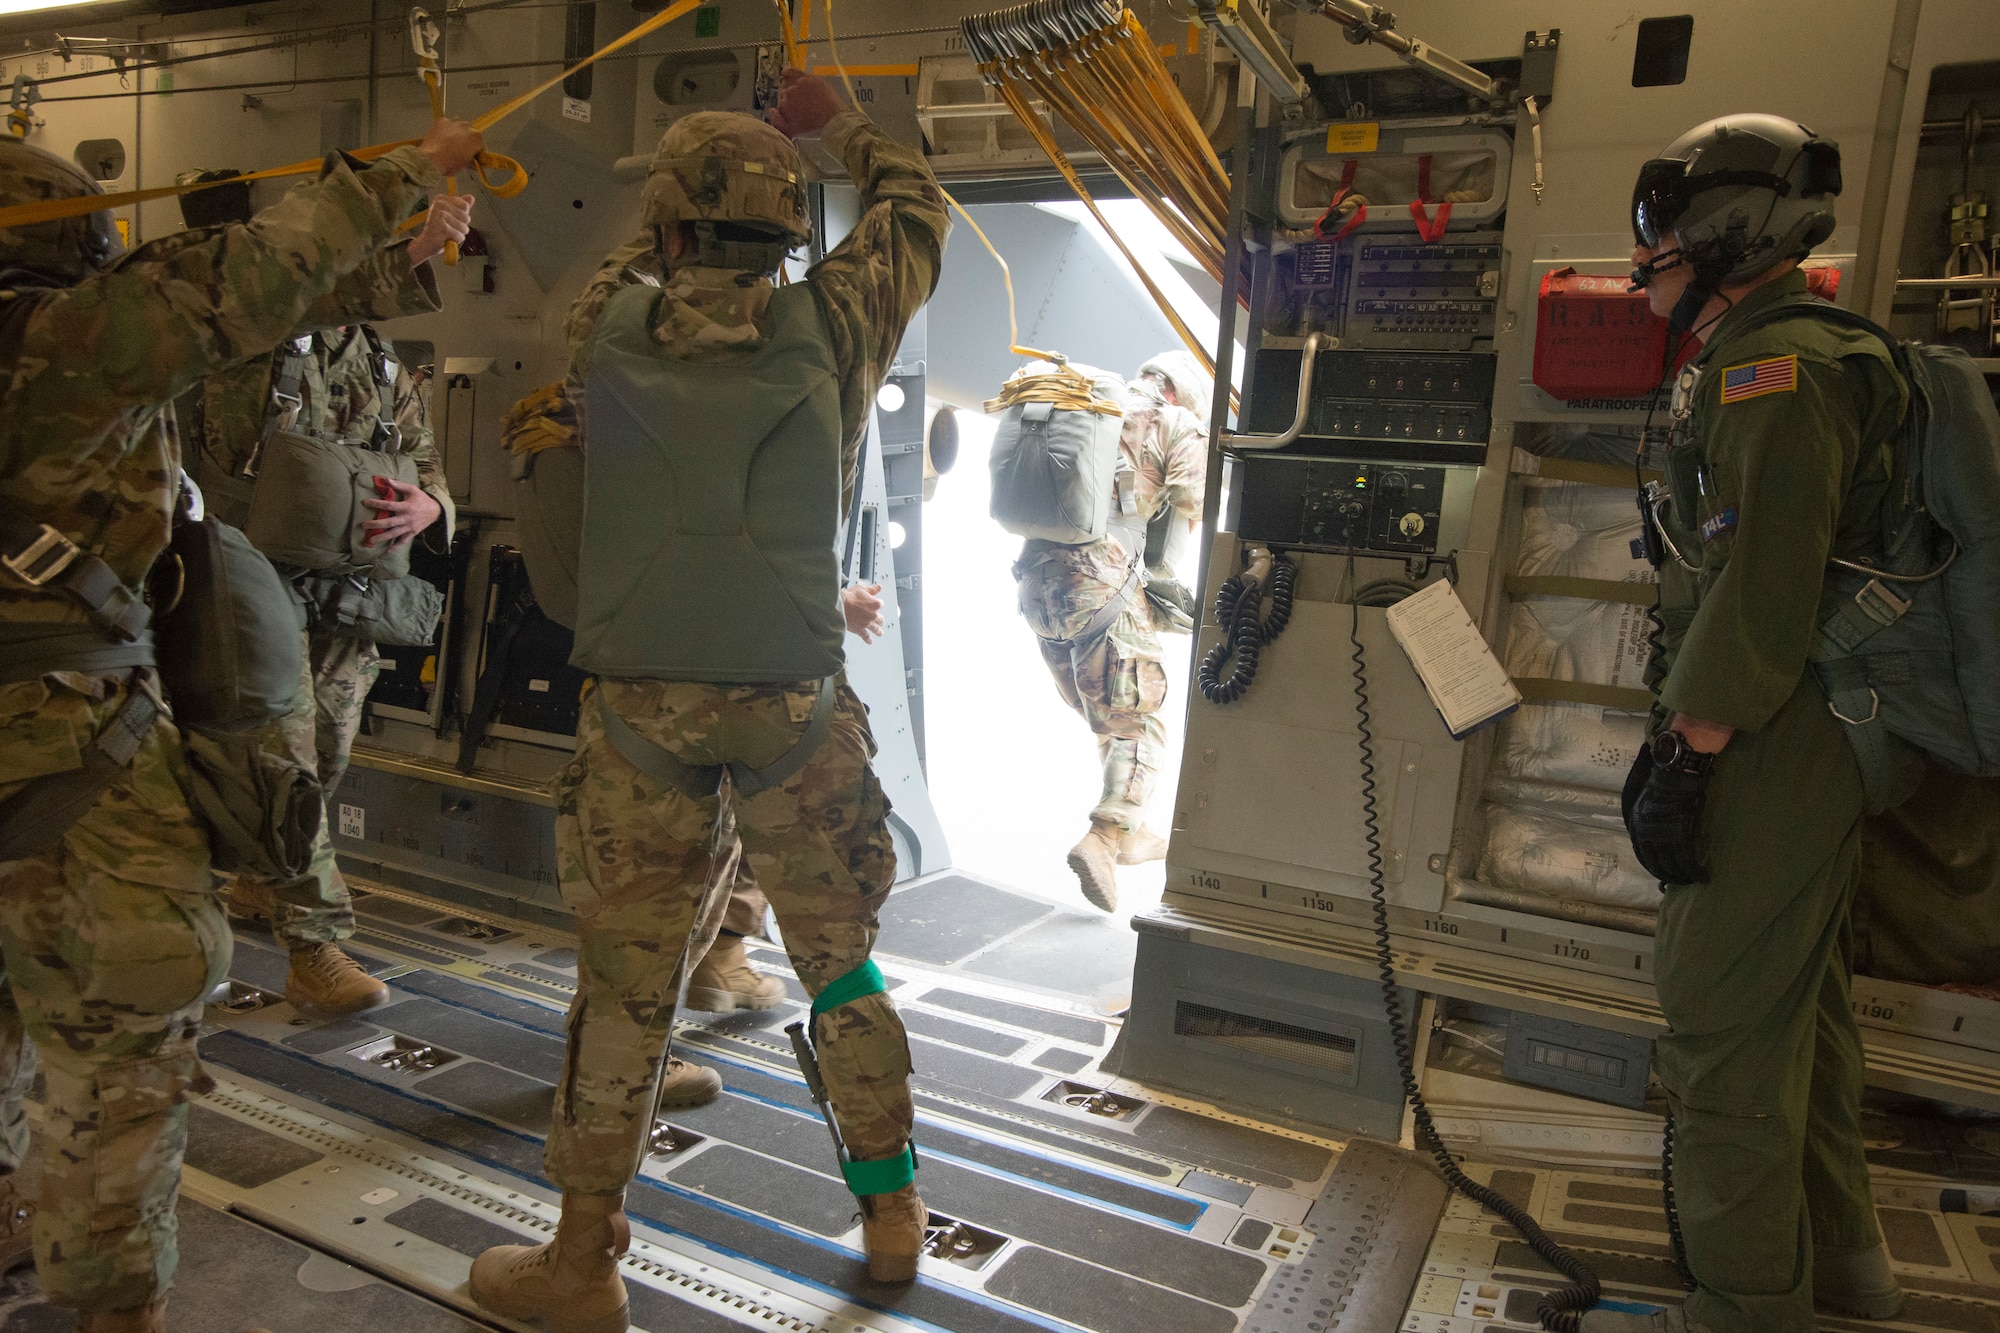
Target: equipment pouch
x=262, y=807
x=307, y=509
x=400, y=613
x=229, y=647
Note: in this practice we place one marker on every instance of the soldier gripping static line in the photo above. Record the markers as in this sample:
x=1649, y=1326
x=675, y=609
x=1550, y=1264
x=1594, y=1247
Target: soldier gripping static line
x=736, y=407
x=343, y=386
x=111, y=925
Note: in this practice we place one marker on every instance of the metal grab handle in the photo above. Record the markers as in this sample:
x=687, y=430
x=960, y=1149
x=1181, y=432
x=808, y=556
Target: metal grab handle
x=1231, y=440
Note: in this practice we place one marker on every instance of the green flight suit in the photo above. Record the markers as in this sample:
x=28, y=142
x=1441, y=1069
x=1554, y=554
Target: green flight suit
x=1775, y=468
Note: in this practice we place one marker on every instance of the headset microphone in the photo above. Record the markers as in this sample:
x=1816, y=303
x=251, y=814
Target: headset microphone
x=1643, y=275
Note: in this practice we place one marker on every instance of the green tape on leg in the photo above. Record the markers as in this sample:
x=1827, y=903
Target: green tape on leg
x=863, y=981
x=882, y=1177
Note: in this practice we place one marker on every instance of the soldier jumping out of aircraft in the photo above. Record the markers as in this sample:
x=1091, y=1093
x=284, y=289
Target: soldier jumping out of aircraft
x=1116, y=679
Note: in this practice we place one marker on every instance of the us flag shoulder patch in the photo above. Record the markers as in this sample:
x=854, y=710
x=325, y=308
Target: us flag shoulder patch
x=1754, y=379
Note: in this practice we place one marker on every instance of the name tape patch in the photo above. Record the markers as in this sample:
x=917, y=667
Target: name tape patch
x=1754, y=379
x=1718, y=524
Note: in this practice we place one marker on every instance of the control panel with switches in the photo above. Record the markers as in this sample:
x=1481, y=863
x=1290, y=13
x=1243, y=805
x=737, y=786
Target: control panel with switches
x=1339, y=505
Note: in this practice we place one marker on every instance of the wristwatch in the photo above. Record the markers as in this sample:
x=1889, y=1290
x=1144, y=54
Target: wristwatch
x=1672, y=752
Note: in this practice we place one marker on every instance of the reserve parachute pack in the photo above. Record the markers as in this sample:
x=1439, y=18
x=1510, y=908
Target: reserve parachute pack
x=301, y=499
x=1055, y=456
x=711, y=504
x=1908, y=648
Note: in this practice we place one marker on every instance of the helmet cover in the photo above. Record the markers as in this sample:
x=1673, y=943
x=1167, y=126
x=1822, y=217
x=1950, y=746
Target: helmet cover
x=64, y=251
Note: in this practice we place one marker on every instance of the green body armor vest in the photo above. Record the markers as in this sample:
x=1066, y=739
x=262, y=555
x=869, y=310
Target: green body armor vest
x=711, y=504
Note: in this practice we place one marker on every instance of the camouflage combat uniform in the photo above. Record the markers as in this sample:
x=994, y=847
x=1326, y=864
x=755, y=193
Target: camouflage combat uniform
x=636, y=262
x=339, y=398
x=1119, y=681
x=112, y=938
x=635, y=854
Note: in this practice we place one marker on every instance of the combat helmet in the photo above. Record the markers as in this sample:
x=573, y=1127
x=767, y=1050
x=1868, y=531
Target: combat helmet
x=64, y=251
x=1741, y=193
x=1193, y=386
x=738, y=181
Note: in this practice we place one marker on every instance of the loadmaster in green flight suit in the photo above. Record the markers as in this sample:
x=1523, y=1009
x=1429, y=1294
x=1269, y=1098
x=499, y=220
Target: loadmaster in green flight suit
x=1748, y=803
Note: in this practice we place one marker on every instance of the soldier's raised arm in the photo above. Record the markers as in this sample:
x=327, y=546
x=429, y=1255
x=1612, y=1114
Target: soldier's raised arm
x=148, y=325
x=880, y=275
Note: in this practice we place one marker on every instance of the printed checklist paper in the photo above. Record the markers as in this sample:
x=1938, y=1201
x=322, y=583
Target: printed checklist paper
x=1465, y=679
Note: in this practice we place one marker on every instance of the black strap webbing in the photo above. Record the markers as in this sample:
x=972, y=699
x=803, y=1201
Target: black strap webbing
x=41, y=557
x=388, y=435
x=35, y=818
x=30, y=656
x=699, y=780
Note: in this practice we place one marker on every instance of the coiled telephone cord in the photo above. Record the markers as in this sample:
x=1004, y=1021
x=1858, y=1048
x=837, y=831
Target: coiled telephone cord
x=1561, y=1311
x=1238, y=607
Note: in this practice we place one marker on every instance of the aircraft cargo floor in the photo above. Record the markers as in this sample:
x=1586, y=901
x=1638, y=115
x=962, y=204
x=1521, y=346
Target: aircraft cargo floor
x=345, y=1171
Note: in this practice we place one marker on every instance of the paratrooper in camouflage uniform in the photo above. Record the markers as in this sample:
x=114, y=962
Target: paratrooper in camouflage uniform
x=340, y=398
x=1118, y=681
x=635, y=851
x=113, y=937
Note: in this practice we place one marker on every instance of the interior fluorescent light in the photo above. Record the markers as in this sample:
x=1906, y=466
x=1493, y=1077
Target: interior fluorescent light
x=30, y=6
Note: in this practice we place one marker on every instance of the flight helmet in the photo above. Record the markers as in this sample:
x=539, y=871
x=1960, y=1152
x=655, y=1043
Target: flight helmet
x=738, y=181
x=60, y=252
x=1741, y=194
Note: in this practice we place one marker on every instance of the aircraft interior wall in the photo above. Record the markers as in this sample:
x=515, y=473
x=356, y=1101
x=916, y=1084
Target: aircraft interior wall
x=1463, y=421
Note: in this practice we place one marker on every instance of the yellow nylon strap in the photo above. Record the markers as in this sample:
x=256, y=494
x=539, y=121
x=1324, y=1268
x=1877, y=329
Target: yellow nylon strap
x=515, y=181
x=1067, y=387
x=1006, y=273
x=644, y=30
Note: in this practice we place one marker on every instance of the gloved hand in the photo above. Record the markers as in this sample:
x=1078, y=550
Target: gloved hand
x=1663, y=810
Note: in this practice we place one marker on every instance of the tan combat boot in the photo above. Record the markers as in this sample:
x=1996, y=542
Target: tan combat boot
x=1095, y=861
x=17, y=1216
x=325, y=979
x=143, y=1319
x=571, y=1284
x=1140, y=846
x=892, y=1231
x=724, y=981
x=685, y=1086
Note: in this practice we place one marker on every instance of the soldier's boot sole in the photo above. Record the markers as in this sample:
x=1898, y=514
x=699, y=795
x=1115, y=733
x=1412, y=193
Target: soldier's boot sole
x=892, y=1232
x=571, y=1284
x=1095, y=863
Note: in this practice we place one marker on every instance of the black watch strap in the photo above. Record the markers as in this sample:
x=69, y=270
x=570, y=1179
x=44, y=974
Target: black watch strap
x=1672, y=752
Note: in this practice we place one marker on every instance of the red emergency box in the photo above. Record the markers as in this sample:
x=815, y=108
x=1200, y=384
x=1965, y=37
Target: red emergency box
x=1596, y=338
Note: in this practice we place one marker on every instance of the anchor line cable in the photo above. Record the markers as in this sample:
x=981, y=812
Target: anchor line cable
x=503, y=187
x=1560, y=1311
